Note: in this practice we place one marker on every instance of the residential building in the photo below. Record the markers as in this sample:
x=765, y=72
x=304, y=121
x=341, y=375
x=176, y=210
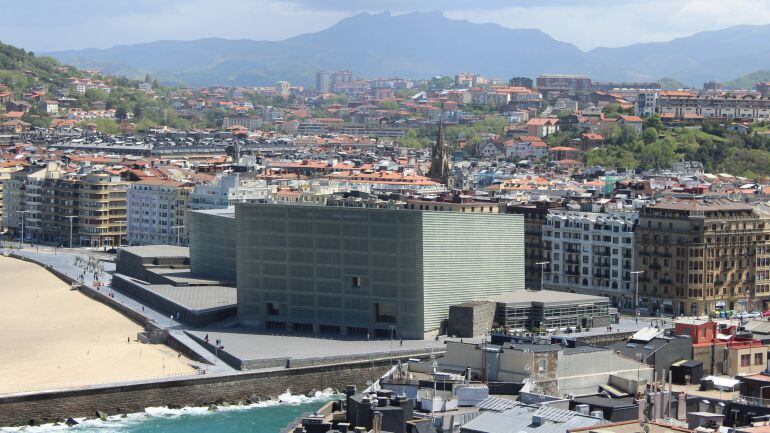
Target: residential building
x=720, y=350
x=632, y=121
x=323, y=81
x=6, y=169
x=227, y=190
x=521, y=82
x=282, y=88
x=763, y=89
x=41, y=200
x=730, y=105
x=157, y=212
x=700, y=255
x=590, y=253
x=252, y=123
x=563, y=83
x=541, y=127
x=534, y=219
x=362, y=271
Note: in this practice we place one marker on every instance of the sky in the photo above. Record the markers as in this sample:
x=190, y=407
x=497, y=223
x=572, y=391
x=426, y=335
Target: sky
x=52, y=25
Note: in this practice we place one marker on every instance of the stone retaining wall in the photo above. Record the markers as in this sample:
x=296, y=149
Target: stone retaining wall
x=198, y=391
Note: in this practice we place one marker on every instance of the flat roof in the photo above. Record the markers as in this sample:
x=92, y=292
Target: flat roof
x=595, y=400
x=158, y=251
x=228, y=212
x=545, y=297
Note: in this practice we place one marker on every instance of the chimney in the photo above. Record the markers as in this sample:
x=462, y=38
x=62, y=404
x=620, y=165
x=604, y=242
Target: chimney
x=382, y=401
x=377, y=422
x=582, y=409
x=538, y=420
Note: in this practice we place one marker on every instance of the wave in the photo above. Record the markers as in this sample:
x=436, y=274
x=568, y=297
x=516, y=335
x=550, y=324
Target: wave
x=117, y=423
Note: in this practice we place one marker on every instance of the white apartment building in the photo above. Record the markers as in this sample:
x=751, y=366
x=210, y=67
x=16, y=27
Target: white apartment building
x=227, y=191
x=157, y=212
x=591, y=253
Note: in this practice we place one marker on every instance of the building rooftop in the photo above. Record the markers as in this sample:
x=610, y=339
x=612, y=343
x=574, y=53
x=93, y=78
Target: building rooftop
x=545, y=297
x=524, y=418
x=158, y=251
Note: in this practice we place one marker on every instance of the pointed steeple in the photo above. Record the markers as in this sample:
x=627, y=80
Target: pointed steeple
x=439, y=158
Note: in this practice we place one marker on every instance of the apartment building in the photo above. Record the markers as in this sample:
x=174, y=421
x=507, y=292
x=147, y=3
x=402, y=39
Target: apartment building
x=732, y=105
x=157, y=212
x=590, y=253
x=534, y=219
x=700, y=255
x=6, y=169
x=228, y=190
x=564, y=83
x=51, y=205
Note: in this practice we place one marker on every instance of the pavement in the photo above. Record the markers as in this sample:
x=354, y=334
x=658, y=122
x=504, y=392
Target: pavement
x=248, y=344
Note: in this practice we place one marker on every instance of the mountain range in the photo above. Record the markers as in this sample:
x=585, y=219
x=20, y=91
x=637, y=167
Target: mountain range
x=421, y=45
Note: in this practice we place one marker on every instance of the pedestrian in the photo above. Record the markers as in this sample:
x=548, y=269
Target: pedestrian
x=402, y=342
x=128, y=339
x=206, y=338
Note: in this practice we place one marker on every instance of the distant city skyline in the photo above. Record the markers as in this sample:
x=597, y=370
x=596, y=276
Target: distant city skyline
x=43, y=25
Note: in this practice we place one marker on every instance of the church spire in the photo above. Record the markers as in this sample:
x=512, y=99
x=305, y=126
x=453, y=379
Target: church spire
x=439, y=158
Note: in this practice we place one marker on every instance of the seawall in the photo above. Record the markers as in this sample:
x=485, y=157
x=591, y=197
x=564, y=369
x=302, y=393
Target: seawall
x=48, y=406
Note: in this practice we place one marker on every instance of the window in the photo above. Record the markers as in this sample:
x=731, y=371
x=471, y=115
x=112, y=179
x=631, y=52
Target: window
x=355, y=282
x=272, y=309
x=385, y=312
x=745, y=360
x=757, y=359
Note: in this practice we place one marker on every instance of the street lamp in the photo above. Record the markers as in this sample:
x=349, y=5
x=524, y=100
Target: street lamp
x=178, y=234
x=392, y=329
x=23, y=213
x=70, y=217
x=636, y=296
x=542, y=272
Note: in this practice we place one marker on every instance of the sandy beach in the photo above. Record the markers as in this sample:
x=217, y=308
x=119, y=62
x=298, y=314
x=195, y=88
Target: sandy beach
x=52, y=337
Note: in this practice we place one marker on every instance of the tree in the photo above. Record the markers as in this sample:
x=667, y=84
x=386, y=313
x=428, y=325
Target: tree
x=649, y=135
x=654, y=122
x=121, y=114
x=659, y=154
x=107, y=126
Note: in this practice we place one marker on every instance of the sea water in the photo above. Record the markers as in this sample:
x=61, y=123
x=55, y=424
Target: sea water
x=265, y=417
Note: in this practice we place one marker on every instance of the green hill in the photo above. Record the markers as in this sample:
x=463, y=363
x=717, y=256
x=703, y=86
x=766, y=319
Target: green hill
x=748, y=81
x=21, y=70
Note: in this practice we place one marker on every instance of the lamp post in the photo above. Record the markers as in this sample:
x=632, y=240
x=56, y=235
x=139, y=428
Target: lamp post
x=178, y=234
x=392, y=329
x=636, y=287
x=542, y=271
x=70, y=217
x=23, y=214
